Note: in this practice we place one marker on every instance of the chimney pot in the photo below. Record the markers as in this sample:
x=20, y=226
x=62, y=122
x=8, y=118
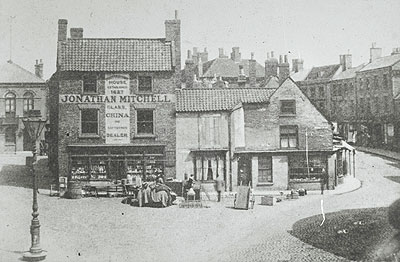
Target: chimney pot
x=252, y=55
x=221, y=52
x=280, y=59
x=272, y=54
x=176, y=14
x=286, y=60
x=189, y=54
x=267, y=55
x=76, y=33
x=39, y=69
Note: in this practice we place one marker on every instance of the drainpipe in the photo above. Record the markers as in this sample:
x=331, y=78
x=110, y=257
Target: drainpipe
x=230, y=150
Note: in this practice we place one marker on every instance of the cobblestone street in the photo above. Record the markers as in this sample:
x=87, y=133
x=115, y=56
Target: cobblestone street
x=103, y=229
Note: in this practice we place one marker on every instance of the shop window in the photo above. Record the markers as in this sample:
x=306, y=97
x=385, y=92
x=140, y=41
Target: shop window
x=288, y=136
x=10, y=137
x=28, y=102
x=89, y=121
x=288, y=107
x=210, y=131
x=89, y=84
x=311, y=169
x=10, y=104
x=265, y=169
x=145, y=83
x=145, y=121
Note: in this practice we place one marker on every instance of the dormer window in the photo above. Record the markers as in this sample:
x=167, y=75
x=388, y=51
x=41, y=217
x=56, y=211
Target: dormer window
x=288, y=107
x=89, y=84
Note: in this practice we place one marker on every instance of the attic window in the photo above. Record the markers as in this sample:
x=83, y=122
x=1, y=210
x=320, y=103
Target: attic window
x=288, y=107
x=89, y=84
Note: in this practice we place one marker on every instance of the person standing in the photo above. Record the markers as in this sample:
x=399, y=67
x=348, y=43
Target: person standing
x=219, y=186
x=324, y=180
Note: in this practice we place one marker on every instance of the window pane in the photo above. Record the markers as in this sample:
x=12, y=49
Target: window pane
x=144, y=83
x=284, y=142
x=292, y=141
x=90, y=84
x=145, y=122
x=288, y=107
x=89, y=118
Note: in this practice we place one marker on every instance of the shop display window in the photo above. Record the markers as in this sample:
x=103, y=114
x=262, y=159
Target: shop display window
x=98, y=169
x=80, y=170
x=299, y=171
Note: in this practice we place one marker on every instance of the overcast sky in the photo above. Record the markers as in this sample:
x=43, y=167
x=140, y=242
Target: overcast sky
x=317, y=31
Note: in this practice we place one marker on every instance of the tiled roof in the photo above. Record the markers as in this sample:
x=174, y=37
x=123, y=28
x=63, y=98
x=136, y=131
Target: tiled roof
x=13, y=73
x=226, y=67
x=322, y=72
x=218, y=99
x=349, y=73
x=116, y=55
x=382, y=62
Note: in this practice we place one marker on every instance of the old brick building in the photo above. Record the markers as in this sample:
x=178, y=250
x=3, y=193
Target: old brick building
x=268, y=138
x=113, y=104
x=22, y=94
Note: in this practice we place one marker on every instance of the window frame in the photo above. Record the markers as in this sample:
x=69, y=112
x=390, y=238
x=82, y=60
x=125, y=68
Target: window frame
x=7, y=132
x=266, y=168
x=292, y=112
x=152, y=122
x=82, y=122
x=91, y=80
x=29, y=102
x=10, y=102
x=151, y=84
x=289, y=136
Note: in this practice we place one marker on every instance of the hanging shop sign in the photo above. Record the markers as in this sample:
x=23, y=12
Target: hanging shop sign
x=117, y=115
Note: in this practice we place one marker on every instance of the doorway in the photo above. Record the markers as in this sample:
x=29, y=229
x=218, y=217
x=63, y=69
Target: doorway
x=244, y=171
x=117, y=169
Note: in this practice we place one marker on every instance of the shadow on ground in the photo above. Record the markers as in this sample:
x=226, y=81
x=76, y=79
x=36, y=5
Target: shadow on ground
x=355, y=234
x=394, y=178
x=20, y=176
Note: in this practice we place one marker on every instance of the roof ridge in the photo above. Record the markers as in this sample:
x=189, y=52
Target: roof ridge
x=25, y=70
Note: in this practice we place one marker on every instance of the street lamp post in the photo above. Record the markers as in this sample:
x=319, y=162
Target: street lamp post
x=34, y=127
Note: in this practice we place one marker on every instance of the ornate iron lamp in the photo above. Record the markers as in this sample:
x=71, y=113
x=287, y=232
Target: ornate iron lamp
x=34, y=126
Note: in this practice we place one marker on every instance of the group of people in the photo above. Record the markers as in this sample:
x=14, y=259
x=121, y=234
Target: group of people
x=190, y=181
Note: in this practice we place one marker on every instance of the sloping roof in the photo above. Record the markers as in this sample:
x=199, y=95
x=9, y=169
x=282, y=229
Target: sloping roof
x=322, y=72
x=218, y=99
x=382, y=62
x=115, y=55
x=13, y=73
x=271, y=83
x=301, y=75
x=226, y=67
x=349, y=73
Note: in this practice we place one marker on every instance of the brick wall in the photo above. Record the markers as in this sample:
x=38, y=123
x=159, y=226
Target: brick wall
x=262, y=122
x=68, y=126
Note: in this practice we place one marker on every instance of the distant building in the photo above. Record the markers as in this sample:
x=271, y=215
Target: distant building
x=113, y=104
x=378, y=100
x=22, y=94
x=268, y=138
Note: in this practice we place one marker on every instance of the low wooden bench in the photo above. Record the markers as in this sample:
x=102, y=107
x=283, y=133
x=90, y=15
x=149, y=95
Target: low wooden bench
x=115, y=191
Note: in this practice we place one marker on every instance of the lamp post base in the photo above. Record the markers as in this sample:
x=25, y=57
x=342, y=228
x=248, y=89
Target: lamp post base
x=29, y=256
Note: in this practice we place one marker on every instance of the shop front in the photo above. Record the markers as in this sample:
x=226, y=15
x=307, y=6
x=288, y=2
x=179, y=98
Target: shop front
x=116, y=163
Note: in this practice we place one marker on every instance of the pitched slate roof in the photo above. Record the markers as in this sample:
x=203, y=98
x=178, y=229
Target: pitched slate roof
x=218, y=99
x=226, y=67
x=13, y=73
x=92, y=54
x=382, y=62
x=301, y=75
x=322, y=72
x=349, y=73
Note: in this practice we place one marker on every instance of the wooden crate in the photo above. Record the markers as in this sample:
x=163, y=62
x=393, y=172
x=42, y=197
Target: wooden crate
x=267, y=200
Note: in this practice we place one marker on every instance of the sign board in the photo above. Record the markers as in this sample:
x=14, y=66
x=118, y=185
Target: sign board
x=117, y=115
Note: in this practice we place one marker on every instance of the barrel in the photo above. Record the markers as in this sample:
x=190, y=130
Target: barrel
x=75, y=190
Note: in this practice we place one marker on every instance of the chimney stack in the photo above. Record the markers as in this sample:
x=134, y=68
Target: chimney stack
x=297, y=65
x=235, y=55
x=39, y=68
x=62, y=29
x=203, y=55
x=76, y=33
x=241, y=77
x=252, y=71
x=284, y=71
x=189, y=70
x=271, y=66
x=221, y=53
x=345, y=61
x=173, y=35
x=195, y=55
x=375, y=52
